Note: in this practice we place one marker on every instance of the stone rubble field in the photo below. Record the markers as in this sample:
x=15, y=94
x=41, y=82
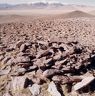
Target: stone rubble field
x=48, y=57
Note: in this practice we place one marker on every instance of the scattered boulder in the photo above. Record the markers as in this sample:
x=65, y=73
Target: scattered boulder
x=11, y=61
x=31, y=68
x=60, y=62
x=55, y=45
x=19, y=43
x=43, y=62
x=49, y=62
x=21, y=71
x=2, y=53
x=78, y=50
x=23, y=47
x=42, y=42
x=18, y=83
x=1, y=57
x=5, y=60
x=25, y=65
x=45, y=53
x=35, y=89
x=57, y=57
x=5, y=71
x=28, y=44
x=36, y=79
x=66, y=79
x=51, y=72
x=43, y=45
x=39, y=62
x=52, y=89
x=22, y=59
x=85, y=82
x=11, y=48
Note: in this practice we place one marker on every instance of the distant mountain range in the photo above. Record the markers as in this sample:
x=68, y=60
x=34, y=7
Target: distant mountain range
x=39, y=5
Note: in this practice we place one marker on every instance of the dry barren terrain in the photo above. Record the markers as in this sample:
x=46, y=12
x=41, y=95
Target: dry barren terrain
x=47, y=54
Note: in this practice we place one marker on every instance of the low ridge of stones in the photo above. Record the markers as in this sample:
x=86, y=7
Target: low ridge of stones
x=30, y=65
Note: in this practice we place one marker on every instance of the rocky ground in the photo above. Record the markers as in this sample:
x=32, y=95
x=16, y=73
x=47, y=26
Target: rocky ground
x=48, y=57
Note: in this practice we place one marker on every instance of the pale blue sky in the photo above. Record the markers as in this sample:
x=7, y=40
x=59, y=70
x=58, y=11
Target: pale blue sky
x=81, y=2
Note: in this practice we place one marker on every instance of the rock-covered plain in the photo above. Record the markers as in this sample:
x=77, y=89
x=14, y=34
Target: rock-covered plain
x=48, y=56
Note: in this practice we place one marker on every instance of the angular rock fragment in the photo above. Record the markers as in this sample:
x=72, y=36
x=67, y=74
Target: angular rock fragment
x=22, y=59
x=49, y=62
x=1, y=57
x=66, y=79
x=45, y=53
x=5, y=72
x=35, y=89
x=54, y=45
x=60, y=62
x=39, y=72
x=61, y=48
x=39, y=63
x=68, y=69
x=11, y=48
x=42, y=42
x=52, y=89
x=24, y=70
x=19, y=43
x=28, y=44
x=57, y=57
x=43, y=45
x=31, y=68
x=78, y=50
x=85, y=82
x=51, y=72
x=2, y=47
x=21, y=71
x=11, y=61
x=2, y=53
x=23, y=47
x=5, y=60
x=25, y=65
x=18, y=83
x=36, y=79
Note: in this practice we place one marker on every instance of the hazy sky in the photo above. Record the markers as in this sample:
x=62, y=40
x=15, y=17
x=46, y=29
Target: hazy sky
x=82, y=2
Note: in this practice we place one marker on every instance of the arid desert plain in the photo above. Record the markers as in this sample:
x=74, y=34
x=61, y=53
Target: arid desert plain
x=47, y=52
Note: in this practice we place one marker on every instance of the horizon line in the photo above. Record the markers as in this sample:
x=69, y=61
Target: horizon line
x=48, y=3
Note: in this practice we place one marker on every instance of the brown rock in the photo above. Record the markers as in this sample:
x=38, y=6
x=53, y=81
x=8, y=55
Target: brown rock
x=5, y=60
x=36, y=79
x=19, y=43
x=57, y=57
x=18, y=83
x=45, y=53
x=61, y=62
x=1, y=57
x=35, y=89
x=23, y=47
x=66, y=79
x=52, y=89
x=5, y=72
x=85, y=82
x=22, y=59
x=51, y=72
